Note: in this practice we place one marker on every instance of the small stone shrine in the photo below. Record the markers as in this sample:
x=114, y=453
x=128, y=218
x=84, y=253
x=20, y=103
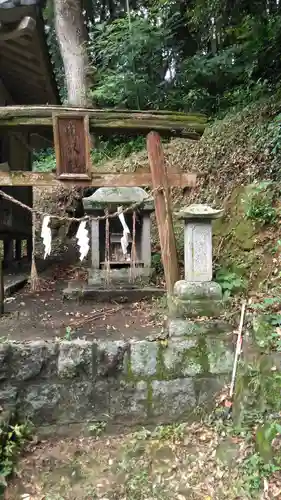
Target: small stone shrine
x=197, y=295
x=198, y=241
x=120, y=245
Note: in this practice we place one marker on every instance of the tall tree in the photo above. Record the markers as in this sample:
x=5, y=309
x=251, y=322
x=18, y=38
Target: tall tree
x=72, y=39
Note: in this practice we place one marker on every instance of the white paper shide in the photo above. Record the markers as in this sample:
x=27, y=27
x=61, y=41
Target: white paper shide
x=83, y=239
x=46, y=235
x=126, y=231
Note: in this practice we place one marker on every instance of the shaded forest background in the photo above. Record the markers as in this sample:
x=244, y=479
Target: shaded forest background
x=212, y=56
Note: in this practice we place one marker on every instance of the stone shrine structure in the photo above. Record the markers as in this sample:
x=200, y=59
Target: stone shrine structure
x=197, y=295
x=111, y=267
x=198, y=241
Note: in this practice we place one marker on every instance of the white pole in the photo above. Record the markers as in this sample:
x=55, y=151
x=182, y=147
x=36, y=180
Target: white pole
x=238, y=349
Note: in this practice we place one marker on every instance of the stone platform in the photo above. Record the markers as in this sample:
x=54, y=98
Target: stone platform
x=82, y=291
x=59, y=383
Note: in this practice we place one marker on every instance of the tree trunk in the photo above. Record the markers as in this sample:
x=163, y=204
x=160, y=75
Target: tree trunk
x=71, y=34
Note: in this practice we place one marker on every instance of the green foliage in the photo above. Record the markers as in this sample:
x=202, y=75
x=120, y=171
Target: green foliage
x=44, y=160
x=265, y=435
x=68, y=333
x=256, y=470
x=12, y=441
x=97, y=428
x=116, y=147
x=131, y=61
x=212, y=57
x=207, y=55
x=267, y=332
x=230, y=282
x=261, y=207
x=156, y=264
x=267, y=303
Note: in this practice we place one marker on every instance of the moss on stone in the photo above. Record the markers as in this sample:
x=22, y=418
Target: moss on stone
x=203, y=355
x=241, y=244
x=257, y=390
x=149, y=398
x=179, y=308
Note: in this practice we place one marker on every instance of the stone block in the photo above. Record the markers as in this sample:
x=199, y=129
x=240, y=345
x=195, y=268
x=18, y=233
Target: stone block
x=5, y=350
x=198, y=251
x=173, y=398
x=8, y=396
x=129, y=401
x=144, y=358
x=193, y=290
x=33, y=359
x=75, y=359
x=40, y=403
x=181, y=358
x=185, y=309
x=220, y=355
x=77, y=402
x=121, y=276
x=111, y=358
x=187, y=328
x=208, y=388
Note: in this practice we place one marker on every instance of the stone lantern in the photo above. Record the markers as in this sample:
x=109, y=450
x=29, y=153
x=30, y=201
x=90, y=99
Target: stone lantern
x=197, y=294
x=198, y=241
x=110, y=265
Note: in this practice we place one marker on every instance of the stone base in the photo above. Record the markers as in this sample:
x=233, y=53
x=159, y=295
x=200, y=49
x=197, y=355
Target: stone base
x=194, y=290
x=63, y=382
x=186, y=309
x=120, y=277
x=80, y=291
x=188, y=328
x=193, y=299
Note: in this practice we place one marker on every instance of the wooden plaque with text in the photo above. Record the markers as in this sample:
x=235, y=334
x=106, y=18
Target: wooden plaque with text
x=72, y=147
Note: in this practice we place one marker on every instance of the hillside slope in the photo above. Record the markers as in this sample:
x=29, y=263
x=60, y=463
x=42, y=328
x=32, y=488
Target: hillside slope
x=237, y=162
x=242, y=149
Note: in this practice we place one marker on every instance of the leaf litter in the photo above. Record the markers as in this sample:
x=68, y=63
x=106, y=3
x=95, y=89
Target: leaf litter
x=180, y=461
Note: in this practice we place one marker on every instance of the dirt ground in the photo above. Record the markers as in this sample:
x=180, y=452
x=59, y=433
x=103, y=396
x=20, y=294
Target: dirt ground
x=179, y=462
x=44, y=314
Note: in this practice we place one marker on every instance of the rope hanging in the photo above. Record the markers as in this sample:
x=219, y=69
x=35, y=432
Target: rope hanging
x=34, y=278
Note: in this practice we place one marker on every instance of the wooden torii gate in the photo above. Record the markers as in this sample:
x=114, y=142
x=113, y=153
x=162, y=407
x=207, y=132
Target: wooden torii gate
x=71, y=129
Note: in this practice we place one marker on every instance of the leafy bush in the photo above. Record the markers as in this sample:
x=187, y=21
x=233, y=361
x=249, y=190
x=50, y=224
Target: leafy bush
x=156, y=264
x=116, y=147
x=13, y=438
x=230, y=282
x=261, y=207
x=44, y=160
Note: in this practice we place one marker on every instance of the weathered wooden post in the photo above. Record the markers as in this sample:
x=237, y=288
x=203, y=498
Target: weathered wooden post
x=163, y=210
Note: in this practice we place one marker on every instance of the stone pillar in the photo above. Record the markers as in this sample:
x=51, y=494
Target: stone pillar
x=198, y=241
x=197, y=295
x=146, y=240
x=95, y=244
x=196, y=308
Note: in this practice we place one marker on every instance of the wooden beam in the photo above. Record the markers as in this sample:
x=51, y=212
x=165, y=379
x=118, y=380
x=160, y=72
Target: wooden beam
x=109, y=121
x=100, y=179
x=48, y=111
x=163, y=210
x=25, y=27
